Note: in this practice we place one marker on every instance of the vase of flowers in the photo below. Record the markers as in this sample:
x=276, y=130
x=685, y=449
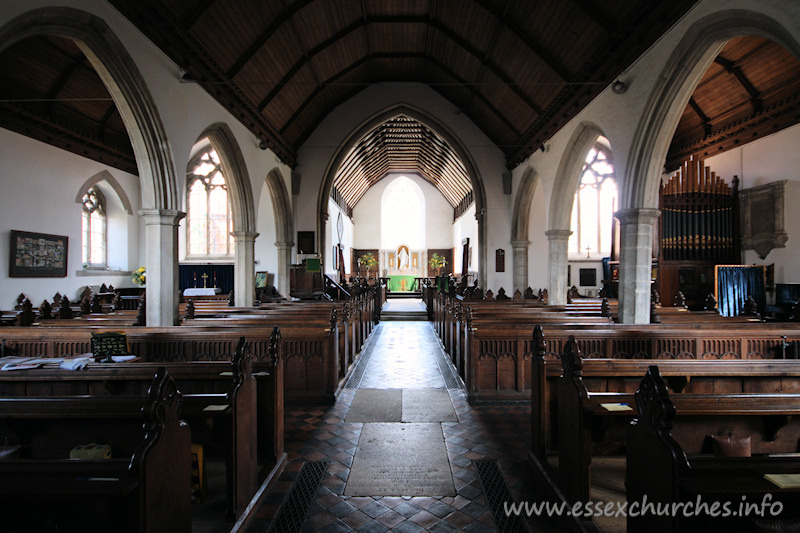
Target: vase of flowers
x=436, y=262
x=139, y=276
x=368, y=261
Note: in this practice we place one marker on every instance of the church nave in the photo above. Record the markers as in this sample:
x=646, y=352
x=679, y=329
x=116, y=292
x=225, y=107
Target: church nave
x=401, y=368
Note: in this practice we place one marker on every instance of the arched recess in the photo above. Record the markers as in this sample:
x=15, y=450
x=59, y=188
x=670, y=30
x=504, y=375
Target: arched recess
x=520, y=221
x=284, y=230
x=639, y=187
x=458, y=147
x=240, y=194
x=106, y=176
x=118, y=71
x=568, y=177
x=684, y=69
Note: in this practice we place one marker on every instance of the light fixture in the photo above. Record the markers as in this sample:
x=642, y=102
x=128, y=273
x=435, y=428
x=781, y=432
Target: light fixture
x=619, y=87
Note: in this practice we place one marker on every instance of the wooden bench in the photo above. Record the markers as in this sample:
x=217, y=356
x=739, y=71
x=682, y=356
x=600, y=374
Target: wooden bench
x=583, y=418
x=250, y=411
x=146, y=482
x=667, y=471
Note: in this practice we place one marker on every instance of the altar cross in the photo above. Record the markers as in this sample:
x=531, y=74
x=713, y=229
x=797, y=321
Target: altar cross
x=205, y=279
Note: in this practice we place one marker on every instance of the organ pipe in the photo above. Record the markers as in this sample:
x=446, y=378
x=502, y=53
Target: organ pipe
x=698, y=211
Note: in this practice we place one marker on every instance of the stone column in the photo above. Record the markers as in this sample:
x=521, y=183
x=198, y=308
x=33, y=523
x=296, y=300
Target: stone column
x=161, y=245
x=635, y=263
x=284, y=261
x=244, y=267
x=520, y=250
x=558, y=240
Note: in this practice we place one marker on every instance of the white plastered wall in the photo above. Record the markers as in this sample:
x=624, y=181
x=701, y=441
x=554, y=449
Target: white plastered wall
x=185, y=110
x=772, y=158
x=348, y=238
x=367, y=215
x=39, y=184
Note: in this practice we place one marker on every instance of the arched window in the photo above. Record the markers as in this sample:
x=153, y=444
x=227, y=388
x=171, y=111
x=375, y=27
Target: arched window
x=93, y=229
x=402, y=215
x=209, y=224
x=594, y=206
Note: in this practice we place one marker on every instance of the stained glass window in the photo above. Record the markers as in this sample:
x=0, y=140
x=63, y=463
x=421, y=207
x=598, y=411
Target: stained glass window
x=209, y=224
x=93, y=229
x=594, y=206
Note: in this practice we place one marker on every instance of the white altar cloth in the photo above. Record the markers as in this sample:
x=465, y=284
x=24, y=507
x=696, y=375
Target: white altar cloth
x=202, y=292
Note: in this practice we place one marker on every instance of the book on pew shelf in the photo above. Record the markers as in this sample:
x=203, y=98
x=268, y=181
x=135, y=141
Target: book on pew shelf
x=212, y=408
x=19, y=366
x=124, y=358
x=616, y=407
x=784, y=481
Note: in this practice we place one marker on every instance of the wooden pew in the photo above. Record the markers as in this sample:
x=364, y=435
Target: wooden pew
x=252, y=415
x=668, y=472
x=584, y=420
x=147, y=481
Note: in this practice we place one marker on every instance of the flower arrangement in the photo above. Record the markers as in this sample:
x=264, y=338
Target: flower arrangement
x=139, y=276
x=368, y=260
x=436, y=262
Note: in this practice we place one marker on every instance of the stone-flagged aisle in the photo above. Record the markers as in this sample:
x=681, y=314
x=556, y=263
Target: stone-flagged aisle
x=403, y=356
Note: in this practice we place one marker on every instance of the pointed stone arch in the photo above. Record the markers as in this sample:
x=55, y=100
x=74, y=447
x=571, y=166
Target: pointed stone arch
x=106, y=176
x=520, y=221
x=684, y=69
x=568, y=177
x=455, y=143
x=284, y=228
x=639, y=188
x=118, y=71
x=240, y=195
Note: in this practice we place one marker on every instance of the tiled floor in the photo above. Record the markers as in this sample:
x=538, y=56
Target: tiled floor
x=402, y=355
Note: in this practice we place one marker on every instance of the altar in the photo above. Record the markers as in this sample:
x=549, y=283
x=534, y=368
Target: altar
x=202, y=291
x=402, y=267
x=401, y=283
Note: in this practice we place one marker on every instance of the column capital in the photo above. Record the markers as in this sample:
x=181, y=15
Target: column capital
x=643, y=215
x=558, y=234
x=284, y=245
x=244, y=236
x=520, y=243
x=164, y=217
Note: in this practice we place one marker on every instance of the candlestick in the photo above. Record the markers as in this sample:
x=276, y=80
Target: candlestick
x=194, y=276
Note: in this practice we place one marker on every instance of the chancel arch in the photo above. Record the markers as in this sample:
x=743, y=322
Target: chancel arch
x=691, y=58
x=460, y=182
x=118, y=71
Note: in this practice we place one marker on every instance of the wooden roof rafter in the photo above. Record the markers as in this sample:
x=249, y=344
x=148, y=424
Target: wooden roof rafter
x=401, y=145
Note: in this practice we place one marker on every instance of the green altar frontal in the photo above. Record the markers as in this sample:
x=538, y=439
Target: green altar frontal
x=401, y=283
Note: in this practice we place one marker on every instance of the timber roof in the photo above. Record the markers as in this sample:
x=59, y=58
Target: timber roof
x=518, y=69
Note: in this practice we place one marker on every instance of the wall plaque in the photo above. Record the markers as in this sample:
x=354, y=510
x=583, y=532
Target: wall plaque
x=762, y=218
x=500, y=260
